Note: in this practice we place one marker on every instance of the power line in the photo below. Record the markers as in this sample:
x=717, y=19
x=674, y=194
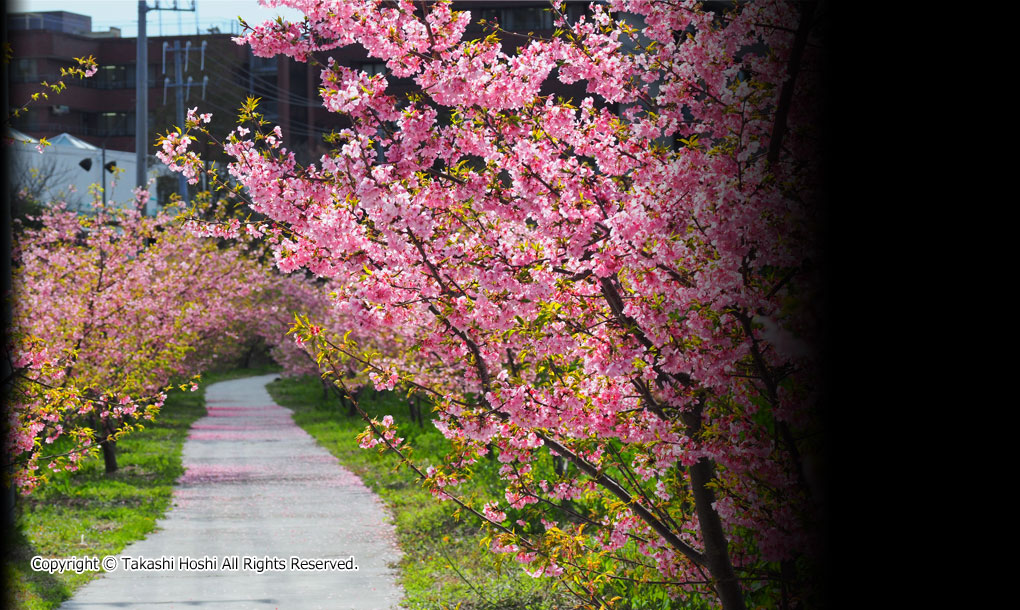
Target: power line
x=297, y=129
x=292, y=98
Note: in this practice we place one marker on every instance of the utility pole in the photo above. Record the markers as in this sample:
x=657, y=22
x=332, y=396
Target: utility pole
x=142, y=100
x=142, y=88
x=182, y=90
x=182, y=182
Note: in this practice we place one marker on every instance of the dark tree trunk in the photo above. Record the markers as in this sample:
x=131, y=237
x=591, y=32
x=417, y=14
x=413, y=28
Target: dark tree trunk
x=247, y=356
x=346, y=402
x=559, y=465
x=351, y=411
x=717, y=554
x=109, y=447
x=415, y=407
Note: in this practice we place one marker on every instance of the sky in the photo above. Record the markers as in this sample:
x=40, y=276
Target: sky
x=123, y=14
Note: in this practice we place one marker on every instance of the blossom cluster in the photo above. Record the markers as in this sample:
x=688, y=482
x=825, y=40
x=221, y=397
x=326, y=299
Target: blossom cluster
x=108, y=311
x=619, y=285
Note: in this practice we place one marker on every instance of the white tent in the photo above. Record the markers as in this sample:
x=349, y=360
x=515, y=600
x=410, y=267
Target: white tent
x=71, y=170
x=20, y=137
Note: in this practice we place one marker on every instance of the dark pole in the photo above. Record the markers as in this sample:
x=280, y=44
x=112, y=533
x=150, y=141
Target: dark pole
x=6, y=372
x=182, y=182
x=141, y=99
x=102, y=168
x=142, y=95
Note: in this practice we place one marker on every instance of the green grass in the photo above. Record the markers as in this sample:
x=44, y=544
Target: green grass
x=91, y=513
x=443, y=565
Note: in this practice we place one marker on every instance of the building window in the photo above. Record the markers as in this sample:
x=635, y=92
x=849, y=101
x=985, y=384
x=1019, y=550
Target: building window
x=519, y=19
x=372, y=68
x=29, y=21
x=115, y=124
x=115, y=77
x=24, y=71
x=119, y=77
x=263, y=65
x=27, y=121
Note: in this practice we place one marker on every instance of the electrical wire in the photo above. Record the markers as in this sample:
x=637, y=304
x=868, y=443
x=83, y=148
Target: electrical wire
x=220, y=70
x=296, y=129
x=217, y=74
x=292, y=98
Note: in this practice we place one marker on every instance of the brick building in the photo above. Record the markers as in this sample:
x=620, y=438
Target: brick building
x=103, y=107
x=101, y=110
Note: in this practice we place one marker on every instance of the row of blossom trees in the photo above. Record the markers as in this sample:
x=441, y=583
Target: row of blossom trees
x=625, y=282
x=111, y=308
x=108, y=309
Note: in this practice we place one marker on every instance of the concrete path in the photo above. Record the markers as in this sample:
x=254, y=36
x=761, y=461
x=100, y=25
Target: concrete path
x=259, y=489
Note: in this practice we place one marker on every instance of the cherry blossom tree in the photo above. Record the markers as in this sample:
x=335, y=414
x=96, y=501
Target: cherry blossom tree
x=84, y=68
x=109, y=310
x=614, y=295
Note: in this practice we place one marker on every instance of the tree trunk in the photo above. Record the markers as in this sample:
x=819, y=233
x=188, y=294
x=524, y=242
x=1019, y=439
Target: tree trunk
x=415, y=406
x=560, y=465
x=247, y=356
x=717, y=554
x=109, y=447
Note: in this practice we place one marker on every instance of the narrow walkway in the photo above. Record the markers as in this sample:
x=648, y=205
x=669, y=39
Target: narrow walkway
x=257, y=486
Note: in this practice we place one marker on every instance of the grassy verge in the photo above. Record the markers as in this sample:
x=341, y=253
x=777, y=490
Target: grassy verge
x=443, y=565
x=91, y=513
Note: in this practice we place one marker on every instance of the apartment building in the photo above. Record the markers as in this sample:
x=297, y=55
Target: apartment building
x=101, y=110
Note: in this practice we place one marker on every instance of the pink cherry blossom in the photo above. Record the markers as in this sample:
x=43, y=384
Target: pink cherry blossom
x=620, y=285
